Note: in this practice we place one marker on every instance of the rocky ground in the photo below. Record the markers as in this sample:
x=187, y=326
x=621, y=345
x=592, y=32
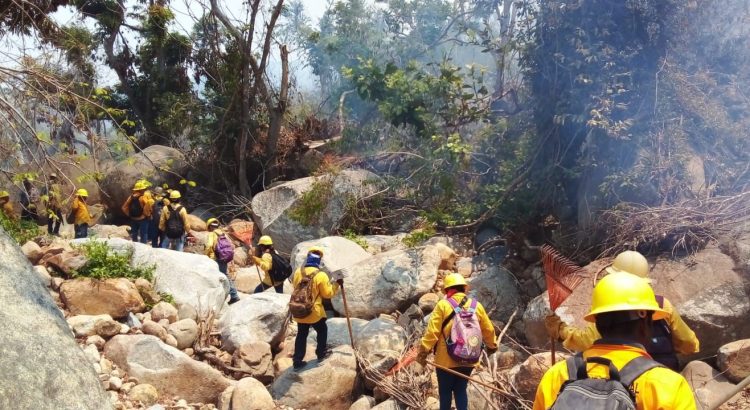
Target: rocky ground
x=174, y=343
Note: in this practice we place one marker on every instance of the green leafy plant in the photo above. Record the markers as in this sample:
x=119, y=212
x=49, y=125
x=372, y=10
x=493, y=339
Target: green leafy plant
x=104, y=263
x=312, y=203
x=356, y=238
x=167, y=297
x=20, y=230
x=418, y=236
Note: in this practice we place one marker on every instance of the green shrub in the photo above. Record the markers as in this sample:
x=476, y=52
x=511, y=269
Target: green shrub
x=356, y=238
x=312, y=202
x=104, y=263
x=20, y=230
x=418, y=236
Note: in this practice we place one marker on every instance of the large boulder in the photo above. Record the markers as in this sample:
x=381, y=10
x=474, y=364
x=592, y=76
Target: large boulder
x=533, y=321
x=339, y=253
x=115, y=297
x=261, y=317
x=707, y=383
x=389, y=281
x=705, y=288
x=274, y=208
x=329, y=384
x=250, y=394
x=734, y=360
x=496, y=288
x=41, y=366
x=157, y=163
x=171, y=371
x=190, y=279
x=338, y=332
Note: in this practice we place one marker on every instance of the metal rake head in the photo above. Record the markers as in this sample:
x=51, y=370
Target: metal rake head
x=562, y=276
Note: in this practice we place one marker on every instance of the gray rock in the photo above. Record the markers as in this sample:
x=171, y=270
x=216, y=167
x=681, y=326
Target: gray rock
x=144, y=393
x=261, y=317
x=329, y=384
x=152, y=328
x=85, y=325
x=383, y=243
x=379, y=336
x=256, y=360
x=169, y=370
x=338, y=332
x=706, y=382
x=533, y=321
x=734, y=360
x=363, y=403
x=40, y=362
x=389, y=281
x=43, y=275
x=339, y=253
x=161, y=164
x=250, y=394
x=389, y=404
x=164, y=310
x=272, y=207
x=32, y=251
x=185, y=332
x=497, y=290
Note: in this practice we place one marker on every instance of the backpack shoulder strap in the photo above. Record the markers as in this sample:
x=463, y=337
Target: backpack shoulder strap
x=635, y=368
x=576, y=367
x=453, y=311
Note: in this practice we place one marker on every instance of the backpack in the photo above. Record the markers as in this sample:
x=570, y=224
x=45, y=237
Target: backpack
x=175, y=226
x=224, y=250
x=302, y=301
x=280, y=268
x=135, y=209
x=465, y=340
x=615, y=393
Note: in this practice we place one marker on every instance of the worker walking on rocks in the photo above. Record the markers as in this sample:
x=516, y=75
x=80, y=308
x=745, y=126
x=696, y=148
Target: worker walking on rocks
x=174, y=223
x=220, y=249
x=458, y=325
x=53, y=200
x=155, y=234
x=616, y=372
x=669, y=336
x=6, y=207
x=264, y=260
x=29, y=201
x=80, y=214
x=311, y=285
x=138, y=208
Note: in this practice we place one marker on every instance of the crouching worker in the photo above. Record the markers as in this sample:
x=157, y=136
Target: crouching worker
x=220, y=249
x=616, y=372
x=456, y=329
x=311, y=285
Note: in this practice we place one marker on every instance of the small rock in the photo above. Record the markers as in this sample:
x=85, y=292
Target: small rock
x=115, y=383
x=155, y=329
x=170, y=340
x=56, y=282
x=135, y=321
x=92, y=353
x=144, y=393
x=250, y=394
x=185, y=331
x=42, y=273
x=187, y=312
x=733, y=360
x=124, y=329
x=164, y=323
x=96, y=340
x=363, y=403
x=225, y=399
x=164, y=310
x=97, y=368
x=85, y=325
x=427, y=302
x=106, y=365
x=115, y=373
x=105, y=384
x=189, y=351
x=142, y=283
x=32, y=251
x=113, y=397
x=107, y=328
x=182, y=403
x=126, y=387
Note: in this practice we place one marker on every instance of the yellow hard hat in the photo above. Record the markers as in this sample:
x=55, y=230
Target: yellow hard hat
x=175, y=194
x=454, y=279
x=622, y=291
x=212, y=220
x=82, y=192
x=265, y=240
x=316, y=249
x=140, y=185
x=631, y=262
x=4, y=194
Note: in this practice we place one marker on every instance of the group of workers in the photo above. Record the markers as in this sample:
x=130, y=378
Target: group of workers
x=627, y=353
x=31, y=199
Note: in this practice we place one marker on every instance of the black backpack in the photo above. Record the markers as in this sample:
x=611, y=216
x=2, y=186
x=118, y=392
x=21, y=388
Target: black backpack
x=280, y=268
x=615, y=393
x=135, y=210
x=175, y=226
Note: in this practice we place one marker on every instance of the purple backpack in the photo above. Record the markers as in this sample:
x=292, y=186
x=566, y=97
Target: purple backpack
x=224, y=249
x=465, y=340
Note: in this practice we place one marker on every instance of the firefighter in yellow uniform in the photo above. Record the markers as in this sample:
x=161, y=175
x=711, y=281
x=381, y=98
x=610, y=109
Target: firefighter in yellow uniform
x=668, y=336
x=321, y=289
x=623, y=306
x=438, y=331
x=264, y=260
x=7, y=206
x=81, y=215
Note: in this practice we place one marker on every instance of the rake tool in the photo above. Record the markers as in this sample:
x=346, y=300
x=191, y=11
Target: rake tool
x=562, y=277
x=341, y=274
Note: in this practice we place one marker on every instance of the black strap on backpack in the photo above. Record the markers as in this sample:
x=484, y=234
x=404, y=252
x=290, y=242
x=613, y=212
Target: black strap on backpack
x=627, y=375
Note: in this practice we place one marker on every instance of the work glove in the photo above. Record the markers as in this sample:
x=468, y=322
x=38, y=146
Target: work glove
x=340, y=281
x=422, y=357
x=491, y=350
x=553, y=323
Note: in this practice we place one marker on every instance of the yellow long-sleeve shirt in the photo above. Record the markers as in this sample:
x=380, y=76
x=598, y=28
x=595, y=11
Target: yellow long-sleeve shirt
x=656, y=389
x=265, y=263
x=146, y=203
x=683, y=338
x=211, y=241
x=433, y=336
x=322, y=288
x=80, y=212
x=8, y=211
